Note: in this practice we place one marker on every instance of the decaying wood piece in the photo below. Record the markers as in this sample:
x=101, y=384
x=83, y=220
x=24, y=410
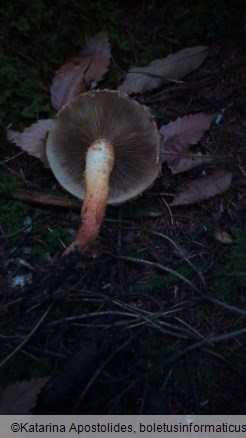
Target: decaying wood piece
x=36, y=197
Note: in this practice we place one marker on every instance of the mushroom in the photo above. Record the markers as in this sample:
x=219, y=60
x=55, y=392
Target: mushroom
x=103, y=147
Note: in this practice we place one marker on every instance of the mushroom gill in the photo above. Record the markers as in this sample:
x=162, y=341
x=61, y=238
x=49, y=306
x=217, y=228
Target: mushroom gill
x=103, y=147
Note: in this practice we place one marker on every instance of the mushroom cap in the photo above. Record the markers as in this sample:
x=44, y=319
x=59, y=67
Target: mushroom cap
x=114, y=117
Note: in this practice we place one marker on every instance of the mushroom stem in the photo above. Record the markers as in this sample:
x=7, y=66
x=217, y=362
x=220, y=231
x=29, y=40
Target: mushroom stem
x=99, y=164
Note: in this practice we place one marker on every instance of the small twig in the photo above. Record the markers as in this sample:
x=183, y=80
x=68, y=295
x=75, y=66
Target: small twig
x=192, y=329
x=169, y=209
x=189, y=367
x=196, y=345
x=12, y=158
x=180, y=333
x=44, y=198
x=93, y=315
x=57, y=275
x=202, y=83
x=154, y=320
x=181, y=254
x=28, y=337
x=226, y=306
x=100, y=369
x=177, y=356
x=227, y=335
x=49, y=353
x=158, y=266
x=22, y=178
x=184, y=279
x=228, y=362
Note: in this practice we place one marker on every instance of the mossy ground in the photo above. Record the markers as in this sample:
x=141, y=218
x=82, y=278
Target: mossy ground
x=159, y=368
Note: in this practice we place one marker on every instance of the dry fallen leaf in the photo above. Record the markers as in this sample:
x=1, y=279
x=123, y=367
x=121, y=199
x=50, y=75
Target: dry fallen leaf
x=20, y=397
x=173, y=67
x=179, y=162
x=89, y=65
x=32, y=139
x=187, y=130
x=177, y=137
x=223, y=237
x=203, y=188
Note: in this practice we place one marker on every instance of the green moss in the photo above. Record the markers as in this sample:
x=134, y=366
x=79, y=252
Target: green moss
x=21, y=87
x=230, y=277
x=33, y=48
x=7, y=182
x=12, y=216
x=163, y=117
x=158, y=282
x=54, y=237
x=152, y=347
x=132, y=250
x=49, y=241
x=38, y=252
x=42, y=368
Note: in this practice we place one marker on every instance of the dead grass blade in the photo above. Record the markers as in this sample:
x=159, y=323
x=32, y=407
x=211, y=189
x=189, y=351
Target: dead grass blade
x=181, y=254
x=160, y=267
x=24, y=342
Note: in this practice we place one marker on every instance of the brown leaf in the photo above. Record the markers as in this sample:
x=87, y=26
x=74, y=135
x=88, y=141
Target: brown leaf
x=177, y=137
x=174, y=66
x=181, y=163
x=204, y=188
x=33, y=139
x=20, y=397
x=187, y=130
x=223, y=237
x=89, y=65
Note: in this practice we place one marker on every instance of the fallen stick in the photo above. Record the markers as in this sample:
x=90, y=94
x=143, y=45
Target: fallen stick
x=44, y=198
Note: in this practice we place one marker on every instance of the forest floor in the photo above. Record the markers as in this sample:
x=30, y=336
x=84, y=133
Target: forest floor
x=154, y=322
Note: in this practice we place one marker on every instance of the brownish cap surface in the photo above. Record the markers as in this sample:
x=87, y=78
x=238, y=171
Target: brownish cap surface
x=121, y=121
